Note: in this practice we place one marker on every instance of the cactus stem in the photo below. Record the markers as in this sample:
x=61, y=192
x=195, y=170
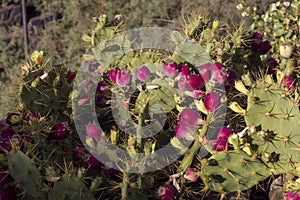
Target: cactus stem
x=239, y=193
x=140, y=125
x=139, y=132
x=124, y=188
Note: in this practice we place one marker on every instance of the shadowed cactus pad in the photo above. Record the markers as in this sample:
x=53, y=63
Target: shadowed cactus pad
x=233, y=171
x=70, y=187
x=26, y=174
x=46, y=96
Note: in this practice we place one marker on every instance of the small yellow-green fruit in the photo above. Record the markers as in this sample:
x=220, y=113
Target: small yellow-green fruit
x=286, y=50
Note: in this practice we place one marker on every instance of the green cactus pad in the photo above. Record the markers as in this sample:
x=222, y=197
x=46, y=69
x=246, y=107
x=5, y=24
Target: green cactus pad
x=271, y=107
x=70, y=187
x=48, y=96
x=160, y=96
x=279, y=153
x=233, y=171
x=24, y=171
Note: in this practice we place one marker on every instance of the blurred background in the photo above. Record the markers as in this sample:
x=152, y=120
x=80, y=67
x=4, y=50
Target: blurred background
x=56, y=27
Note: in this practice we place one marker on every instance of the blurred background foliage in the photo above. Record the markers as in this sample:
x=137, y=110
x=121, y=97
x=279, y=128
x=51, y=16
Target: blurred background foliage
x=56, y=28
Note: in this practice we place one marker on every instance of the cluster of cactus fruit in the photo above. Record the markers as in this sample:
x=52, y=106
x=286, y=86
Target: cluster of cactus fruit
x=233, y=119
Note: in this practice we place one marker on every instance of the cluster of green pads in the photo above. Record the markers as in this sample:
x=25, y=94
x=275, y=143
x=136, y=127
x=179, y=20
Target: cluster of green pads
x=269, y=147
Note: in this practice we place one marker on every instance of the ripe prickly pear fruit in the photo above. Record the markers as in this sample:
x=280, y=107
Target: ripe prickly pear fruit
x=211, y=101
x=166, y=192
x=7, y=194
x=93, y=130
x=171, y=69
x=142, y=73
x=191, y=174
x=60, y=131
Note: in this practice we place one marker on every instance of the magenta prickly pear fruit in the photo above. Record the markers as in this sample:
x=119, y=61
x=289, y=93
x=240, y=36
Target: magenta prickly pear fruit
x=265, y=47
x=60, y=131
x=257, y=37
x=189, y=117
x=220, y=144
x=292, y=196
x=171, y=69
x=258, y=45
x=70, y=76
x=102, y=86
x=205, y=71
x=167, y=192
x=229, y=83
x=195, y=93
x=94, y=131
x=7, y=132
x=211, y=101
x=271, y=62
x=287, y=82
x=224, y=132
x=79, y=153
x=190, y=82
x=217, y=72
x=184, y=132
x=84, y=100
x=191, y=174
x=7, y=194
x=142, y=73
x=110, y=168
x=112, y=74
x=4, y=176
x=184, y=70
x=92, y=162
x=123, y=77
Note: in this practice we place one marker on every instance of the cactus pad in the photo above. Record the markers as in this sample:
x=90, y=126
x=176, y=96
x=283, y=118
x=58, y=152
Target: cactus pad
x=224, y=174
x=24, y=171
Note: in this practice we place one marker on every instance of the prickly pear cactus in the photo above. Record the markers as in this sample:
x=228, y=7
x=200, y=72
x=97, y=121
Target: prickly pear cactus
x=104, y=29
x=272, y=107
x=274, y=114
x=233, y=171
x=46, y=91
x=25, y=173
x=187, y=88
x=70, y=187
